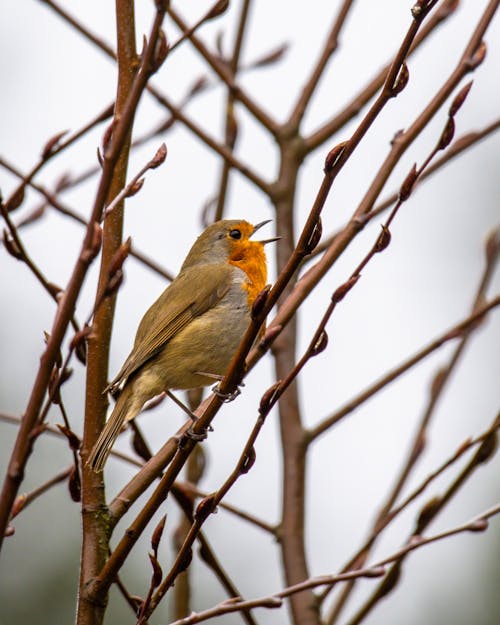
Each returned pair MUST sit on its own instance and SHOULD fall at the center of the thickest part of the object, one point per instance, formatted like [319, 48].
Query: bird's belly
[206, 345]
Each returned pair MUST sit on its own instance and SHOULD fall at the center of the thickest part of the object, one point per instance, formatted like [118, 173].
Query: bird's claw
[226, 397]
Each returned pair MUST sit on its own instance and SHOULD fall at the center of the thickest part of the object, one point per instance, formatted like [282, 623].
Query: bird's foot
[190, 434]
[226, 397]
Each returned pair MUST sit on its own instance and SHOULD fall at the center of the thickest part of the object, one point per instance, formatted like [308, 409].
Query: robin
[189, 335]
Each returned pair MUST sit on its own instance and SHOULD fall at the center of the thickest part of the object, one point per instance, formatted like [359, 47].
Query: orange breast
[251, 258]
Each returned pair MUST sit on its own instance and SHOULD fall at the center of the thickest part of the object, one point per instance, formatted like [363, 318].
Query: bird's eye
[235, 234]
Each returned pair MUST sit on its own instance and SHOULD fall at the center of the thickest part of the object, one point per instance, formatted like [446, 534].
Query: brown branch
[227, 76]
[319, 339]
[176, 112]
[207, 507]
[428, 513]
[387, 512]
[90, 247]
[242, 514]
[231, 126]
[478, 524]
[274, 601]
[95, 533]
[329, 48]
[206, 552]
[21, 254]
[69, 212]
[451, 334]
[460, 145]
[25, 499]
[472, 56]
[360, 100]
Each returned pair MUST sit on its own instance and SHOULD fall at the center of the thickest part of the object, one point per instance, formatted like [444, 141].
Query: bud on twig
[437, 382]
[52, 144]
[198, 85]
[106, 137]
[157, 572]
[459, 99]
[74, 485]
[401, 80]
[12, 247]
[159, 158]
[232, 128]
[315, 237]
[19, 504]
[119, 257]
[73, 440]
[80, 337]
[479, 525]
[427, 513]
[271, 57]
[161, 52]
[219, 8]
[58, 360]
[408, 183]
[478, 57]
[260, 301]
[320, 345]
[389, 582]
[492, 246]
[134, 188]
[16, 200]
[487, 448]
[248, 461]
[205, 508]
[94, 247]
[333, 156]
[269, 336]
[447, 134]
[267, 399]
[157, 534]
[384, 238]
[341, 291]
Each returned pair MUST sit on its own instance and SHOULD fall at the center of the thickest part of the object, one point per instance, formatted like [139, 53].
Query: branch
[205, 508]
[231, 126]
[329, 48]
[471, 58]
[69, 212]
[387, 512]
[460, 145]
[90, 248]
[451, 334]
[226, 75]
[478, 524]
[486, 450]
[174, 110]
[445, 10]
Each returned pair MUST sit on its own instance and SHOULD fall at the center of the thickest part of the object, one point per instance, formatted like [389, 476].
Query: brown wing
[194, 291]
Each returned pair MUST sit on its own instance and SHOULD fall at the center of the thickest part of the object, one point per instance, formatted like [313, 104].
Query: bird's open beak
[259, 225]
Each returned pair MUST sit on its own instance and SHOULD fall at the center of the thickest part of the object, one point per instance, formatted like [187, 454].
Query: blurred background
[52, 80]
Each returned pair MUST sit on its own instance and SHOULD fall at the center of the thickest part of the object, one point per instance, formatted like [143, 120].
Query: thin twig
[273, 601]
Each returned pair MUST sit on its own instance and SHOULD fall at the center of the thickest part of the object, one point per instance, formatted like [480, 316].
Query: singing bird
[188, 336]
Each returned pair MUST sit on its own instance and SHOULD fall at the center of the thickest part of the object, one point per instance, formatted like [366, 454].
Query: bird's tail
[125, 409]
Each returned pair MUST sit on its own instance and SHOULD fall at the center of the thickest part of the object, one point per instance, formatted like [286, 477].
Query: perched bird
[189, 335]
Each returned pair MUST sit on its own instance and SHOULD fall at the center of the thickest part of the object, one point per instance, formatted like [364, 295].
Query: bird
[187, 338]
